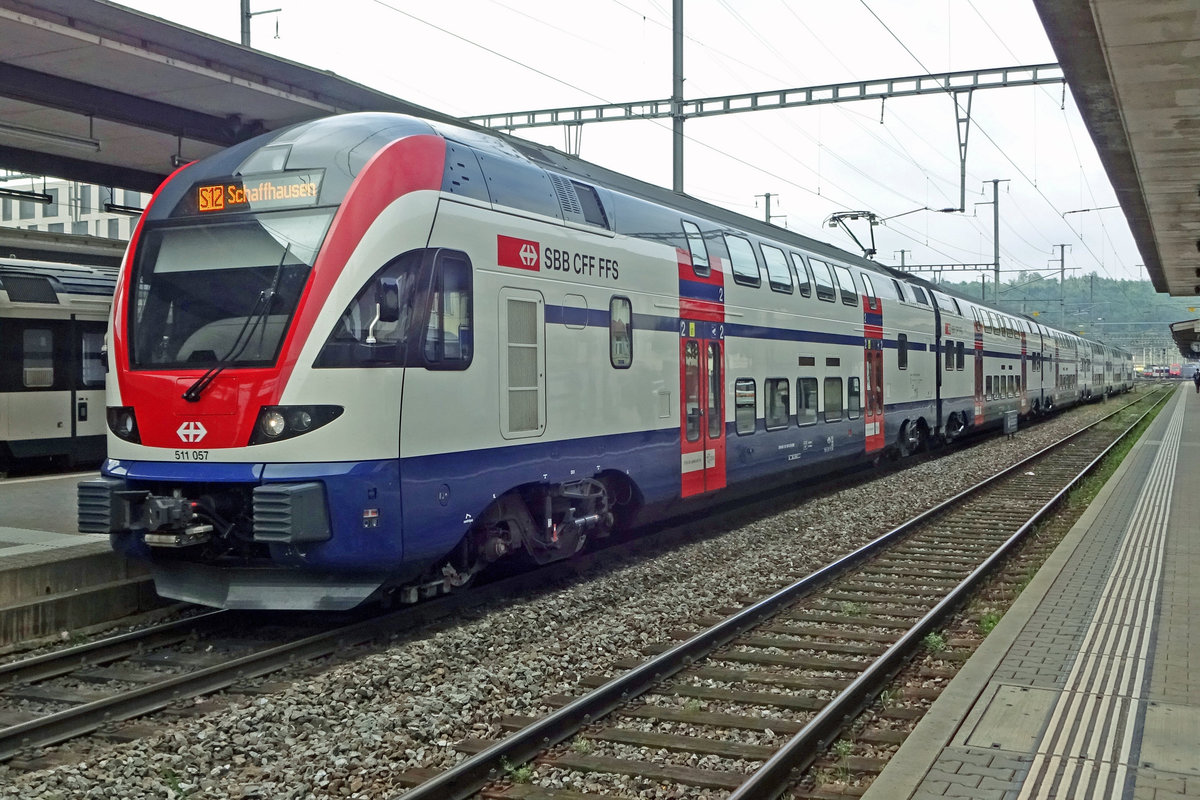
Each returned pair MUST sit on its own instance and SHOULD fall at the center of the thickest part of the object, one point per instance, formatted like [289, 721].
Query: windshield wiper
[257, 315]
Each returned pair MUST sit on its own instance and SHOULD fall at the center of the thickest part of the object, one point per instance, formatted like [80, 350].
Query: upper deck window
[778, 273]
[846, 283]
[697, 248]
[741, 256]
[823, 279]
[803, 282]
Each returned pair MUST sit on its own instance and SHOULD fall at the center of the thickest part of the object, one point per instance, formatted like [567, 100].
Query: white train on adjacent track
[373, 354]
[52, 324]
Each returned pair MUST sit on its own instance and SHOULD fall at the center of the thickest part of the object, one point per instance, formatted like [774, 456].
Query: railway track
[93, 687]
[747, 704]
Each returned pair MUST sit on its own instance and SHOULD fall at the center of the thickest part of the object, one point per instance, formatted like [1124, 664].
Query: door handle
[81, 411]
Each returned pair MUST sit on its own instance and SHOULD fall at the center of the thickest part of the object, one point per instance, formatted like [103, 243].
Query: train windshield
[221, 292]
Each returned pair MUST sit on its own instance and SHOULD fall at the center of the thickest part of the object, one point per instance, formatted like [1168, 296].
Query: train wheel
[911, 438]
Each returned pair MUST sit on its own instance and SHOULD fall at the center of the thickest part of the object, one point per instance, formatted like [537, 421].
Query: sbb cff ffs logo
[519, 253]
[191, 432]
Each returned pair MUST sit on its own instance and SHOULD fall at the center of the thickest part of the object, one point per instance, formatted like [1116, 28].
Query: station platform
[1089, 687]
[54, 580]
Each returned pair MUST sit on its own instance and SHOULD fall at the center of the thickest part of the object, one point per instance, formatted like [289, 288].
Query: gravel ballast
[351, 730]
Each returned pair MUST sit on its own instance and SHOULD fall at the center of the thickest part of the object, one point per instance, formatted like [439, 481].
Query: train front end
[244, 475]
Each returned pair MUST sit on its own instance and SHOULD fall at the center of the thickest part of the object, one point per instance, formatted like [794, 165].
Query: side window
[92, 366]
[949, 348]
[833, 399]
[868, 289]
[802, 280]
[37, 358]
[987, 388]
[778, 274]
[823, 279]
[806, 401]
[919, 293]
[854, 398]
[743, 405]
[959, 356]
[902, 350]
[699, 251]
[448, 339]
[846, 282]
[899, 289]
[620, 332]
[778, 408]
[741, 256]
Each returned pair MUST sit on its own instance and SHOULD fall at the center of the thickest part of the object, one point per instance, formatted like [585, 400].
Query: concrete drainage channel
[72, 591]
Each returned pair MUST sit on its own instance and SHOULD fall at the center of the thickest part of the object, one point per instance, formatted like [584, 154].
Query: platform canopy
[1187, 335]
[96, 92]
[1134, 68]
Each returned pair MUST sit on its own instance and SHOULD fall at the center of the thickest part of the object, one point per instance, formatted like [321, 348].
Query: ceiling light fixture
[49, 137]
[114, 208]
[31, 197]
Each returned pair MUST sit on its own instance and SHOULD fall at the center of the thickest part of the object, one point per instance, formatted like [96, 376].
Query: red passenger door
[702, 408]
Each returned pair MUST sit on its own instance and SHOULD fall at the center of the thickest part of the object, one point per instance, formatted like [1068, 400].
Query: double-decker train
[372, 354]
[52, 324]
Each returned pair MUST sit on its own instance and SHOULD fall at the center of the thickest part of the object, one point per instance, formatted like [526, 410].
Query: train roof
[44, 281]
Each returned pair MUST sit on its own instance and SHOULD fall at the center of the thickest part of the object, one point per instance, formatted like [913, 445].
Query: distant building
[74, 207]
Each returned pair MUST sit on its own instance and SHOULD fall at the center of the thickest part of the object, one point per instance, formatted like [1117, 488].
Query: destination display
[260, 193]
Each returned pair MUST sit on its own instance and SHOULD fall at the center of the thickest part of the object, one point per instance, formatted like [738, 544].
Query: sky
[894, 159]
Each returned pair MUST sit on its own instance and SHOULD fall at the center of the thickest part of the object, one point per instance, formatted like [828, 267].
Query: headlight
[276, 423]
[123, 422]
[273, 424]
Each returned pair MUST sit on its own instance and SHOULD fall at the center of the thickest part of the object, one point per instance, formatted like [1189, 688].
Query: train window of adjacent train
[448, 337]
[823, 278]
[697, 248]
[846, 284]
[987, 388]
[778, 405]
[743, 405]
[778, 274]
[833, 399]
[37, 358]
[959, 355]
[91, 364]
[803, 282]
[853, 398]
[620, 332]
[902, 350]
[806, 401]
[949, 350]
[741, 257]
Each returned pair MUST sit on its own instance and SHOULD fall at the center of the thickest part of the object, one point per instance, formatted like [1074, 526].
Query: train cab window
[743, 405]
[833, 399]
[902, 351]
[448, 337]
[37, 359]
[778, 407]
[853, 398]
[948, 347]
[959, 355]
[806, 401]
[803, 282]
[91, 365]
[778, 274]
[846, 284]
[742, 260]
[823, 278]
[620, 332]
[697, 248]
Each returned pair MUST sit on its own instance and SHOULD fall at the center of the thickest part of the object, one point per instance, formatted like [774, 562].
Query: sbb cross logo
[519, 253]
[191, 432]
